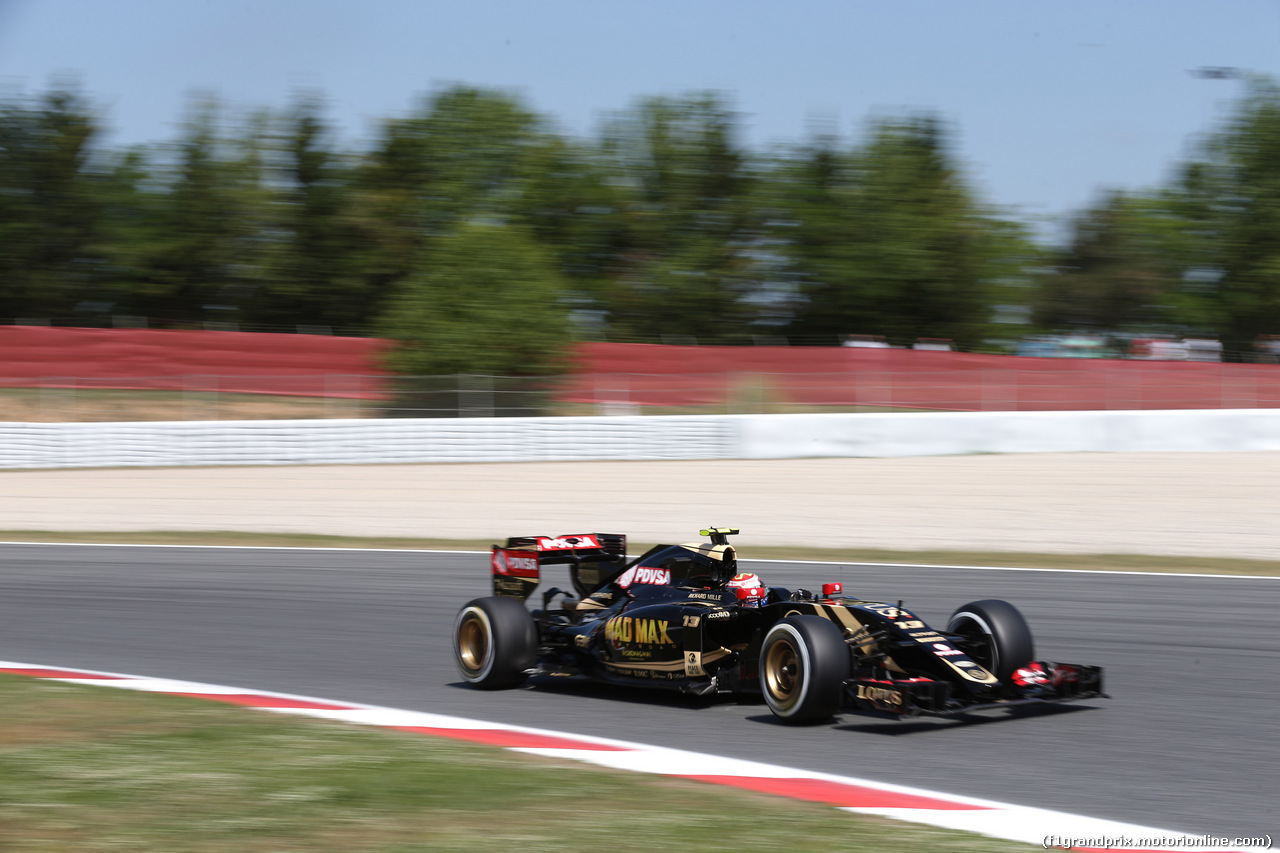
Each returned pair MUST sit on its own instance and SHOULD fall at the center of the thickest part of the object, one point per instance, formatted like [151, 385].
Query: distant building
[865, 341]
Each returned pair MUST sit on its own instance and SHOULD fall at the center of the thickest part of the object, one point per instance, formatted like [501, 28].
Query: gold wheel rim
[473, 643]
[782, 672]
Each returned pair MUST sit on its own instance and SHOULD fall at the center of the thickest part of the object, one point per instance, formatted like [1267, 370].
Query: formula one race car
[682, 617]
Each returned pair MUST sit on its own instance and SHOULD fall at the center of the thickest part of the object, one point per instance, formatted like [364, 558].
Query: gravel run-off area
[1194, 504]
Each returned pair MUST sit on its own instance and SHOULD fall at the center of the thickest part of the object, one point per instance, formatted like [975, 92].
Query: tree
[1228, 204]
[313, 240]
[131, 216]
[886, 238]
[1114, 275]
[489, 303]
[572, 210]
[681, 222]
[465, 153]
[49, 248]
[206, 204]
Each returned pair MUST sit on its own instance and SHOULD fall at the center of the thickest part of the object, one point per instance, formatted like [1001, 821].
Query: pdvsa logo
[505, 563]
[644, 574]
[658, 576]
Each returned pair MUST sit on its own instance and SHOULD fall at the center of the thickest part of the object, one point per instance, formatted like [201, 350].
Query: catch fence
[1022, 385]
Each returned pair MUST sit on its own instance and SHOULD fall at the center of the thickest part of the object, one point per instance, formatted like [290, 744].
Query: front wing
[1040, 682]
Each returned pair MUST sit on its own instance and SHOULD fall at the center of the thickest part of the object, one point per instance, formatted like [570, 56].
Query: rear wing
[591, 556]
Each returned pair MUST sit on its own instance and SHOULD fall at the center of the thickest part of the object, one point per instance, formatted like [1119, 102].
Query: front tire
[494, 642]
[803, 666]
[996, 636]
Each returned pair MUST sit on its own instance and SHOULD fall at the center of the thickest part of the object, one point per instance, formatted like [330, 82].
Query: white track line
[866, 796]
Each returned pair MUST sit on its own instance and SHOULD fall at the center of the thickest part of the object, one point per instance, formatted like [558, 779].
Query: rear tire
[803, 666]
[996, 636]
[494, 642]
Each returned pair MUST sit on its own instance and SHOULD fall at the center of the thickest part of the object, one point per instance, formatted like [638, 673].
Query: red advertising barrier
[168, 360]
[653, 375]
[646, 375]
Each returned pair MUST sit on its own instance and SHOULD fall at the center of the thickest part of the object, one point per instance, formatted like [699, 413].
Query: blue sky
[1049, 102]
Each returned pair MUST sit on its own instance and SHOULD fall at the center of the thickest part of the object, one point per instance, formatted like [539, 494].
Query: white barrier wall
[311, 442]
[955, 433]
[315, 442]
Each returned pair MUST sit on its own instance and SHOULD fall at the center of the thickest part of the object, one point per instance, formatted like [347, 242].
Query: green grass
[1097, 562]
[94, 768]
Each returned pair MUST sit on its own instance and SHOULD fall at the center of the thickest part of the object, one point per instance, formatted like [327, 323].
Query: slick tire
[803, 666]
[494, 642]
[996, 635]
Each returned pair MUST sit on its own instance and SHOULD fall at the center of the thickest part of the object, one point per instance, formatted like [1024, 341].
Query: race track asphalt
[1187, 742]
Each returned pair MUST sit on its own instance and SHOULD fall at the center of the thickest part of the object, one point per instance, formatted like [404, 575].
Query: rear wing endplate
[516, 565]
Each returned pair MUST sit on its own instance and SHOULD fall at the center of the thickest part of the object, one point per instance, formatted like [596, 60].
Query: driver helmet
[749, 589]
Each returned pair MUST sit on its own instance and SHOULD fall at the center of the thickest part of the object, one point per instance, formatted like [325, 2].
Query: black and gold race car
[683, 617]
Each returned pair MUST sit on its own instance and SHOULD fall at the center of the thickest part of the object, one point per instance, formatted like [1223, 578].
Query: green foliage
[663, 226]
[683, 222]
[49, 214]
[1115, 275]
[312, 262]
[490, 302]
[1201, 254]
[198, 213]
[886, 238]
[1229, 203]
[465, 152]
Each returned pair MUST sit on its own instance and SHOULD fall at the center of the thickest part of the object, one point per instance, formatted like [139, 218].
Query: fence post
[615, 398]
[475, 395]
[46, 399]
[336, 405]
[486, 395]
[990, 387]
